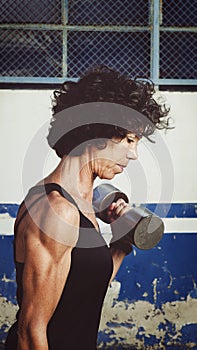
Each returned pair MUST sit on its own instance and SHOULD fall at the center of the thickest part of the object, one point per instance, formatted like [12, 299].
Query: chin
[109, 177]
[106, 176]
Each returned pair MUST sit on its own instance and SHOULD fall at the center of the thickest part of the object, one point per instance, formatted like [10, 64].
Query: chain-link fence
[178, 40]
[45, 41]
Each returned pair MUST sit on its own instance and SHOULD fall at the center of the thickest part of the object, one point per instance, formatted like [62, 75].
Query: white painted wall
[165, 171]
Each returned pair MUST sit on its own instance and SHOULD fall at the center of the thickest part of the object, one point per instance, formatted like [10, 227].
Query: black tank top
[75, 322]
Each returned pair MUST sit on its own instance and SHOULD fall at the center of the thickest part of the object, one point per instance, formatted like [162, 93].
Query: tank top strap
[53, 187]
[45, 190]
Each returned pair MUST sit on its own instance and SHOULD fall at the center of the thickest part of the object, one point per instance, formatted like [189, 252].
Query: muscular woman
[63, 264]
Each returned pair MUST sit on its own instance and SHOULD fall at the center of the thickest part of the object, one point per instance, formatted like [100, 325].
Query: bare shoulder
[63, 208]
[56, 218]
[62, 220]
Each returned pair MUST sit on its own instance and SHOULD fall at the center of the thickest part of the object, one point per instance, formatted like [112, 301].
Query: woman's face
[115, 156]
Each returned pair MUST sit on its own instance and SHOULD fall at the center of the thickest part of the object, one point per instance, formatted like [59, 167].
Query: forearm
[117, 257]
[119, 247]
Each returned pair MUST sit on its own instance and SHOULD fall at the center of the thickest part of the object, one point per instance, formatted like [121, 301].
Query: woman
[63, 265]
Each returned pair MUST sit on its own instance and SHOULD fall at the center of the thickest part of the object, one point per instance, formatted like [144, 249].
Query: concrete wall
[152, 302]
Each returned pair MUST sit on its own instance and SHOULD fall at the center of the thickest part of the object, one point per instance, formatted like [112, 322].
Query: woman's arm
[117, 256]
[47, 264]
[115, 210]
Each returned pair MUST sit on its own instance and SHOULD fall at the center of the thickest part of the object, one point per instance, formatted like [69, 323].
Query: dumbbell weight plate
[146, 228]
[148, 232]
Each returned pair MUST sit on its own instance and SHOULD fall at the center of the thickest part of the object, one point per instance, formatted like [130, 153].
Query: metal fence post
[155, 25]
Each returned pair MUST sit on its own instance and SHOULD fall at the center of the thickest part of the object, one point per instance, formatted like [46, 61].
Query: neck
[75, 175]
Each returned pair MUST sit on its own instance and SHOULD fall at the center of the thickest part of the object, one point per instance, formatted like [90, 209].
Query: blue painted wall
[174, 264]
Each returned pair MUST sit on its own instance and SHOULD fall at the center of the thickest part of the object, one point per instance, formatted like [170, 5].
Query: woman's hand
[117, 209]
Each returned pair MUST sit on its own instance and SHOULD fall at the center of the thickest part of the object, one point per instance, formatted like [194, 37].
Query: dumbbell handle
[103, 196]
[145, 229]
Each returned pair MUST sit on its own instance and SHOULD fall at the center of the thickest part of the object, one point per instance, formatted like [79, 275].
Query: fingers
[116, 209]
[111, 212]
[119, 206]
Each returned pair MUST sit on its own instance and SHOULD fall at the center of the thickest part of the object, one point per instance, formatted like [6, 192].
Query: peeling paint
[154, 283]
[132, 324]
[194, 283]
[7, 316]
[5, 279]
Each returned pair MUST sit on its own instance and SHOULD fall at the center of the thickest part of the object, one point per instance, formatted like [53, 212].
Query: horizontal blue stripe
[174, 210]
[164, 210]
[10, 209]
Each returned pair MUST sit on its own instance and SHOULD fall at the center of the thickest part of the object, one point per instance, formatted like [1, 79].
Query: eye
[130, 139]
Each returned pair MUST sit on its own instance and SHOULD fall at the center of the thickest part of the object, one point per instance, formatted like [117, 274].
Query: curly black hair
[104, 84]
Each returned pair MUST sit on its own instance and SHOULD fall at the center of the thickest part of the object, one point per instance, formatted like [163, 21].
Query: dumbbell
[144, 227]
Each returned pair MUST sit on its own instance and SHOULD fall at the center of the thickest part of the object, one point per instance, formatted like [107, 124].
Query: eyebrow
[132, 136]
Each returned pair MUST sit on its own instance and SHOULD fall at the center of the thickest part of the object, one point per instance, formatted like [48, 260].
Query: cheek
[107, 167]
[107, 171]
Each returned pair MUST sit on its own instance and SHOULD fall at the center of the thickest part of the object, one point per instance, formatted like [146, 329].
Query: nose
[132, 153]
